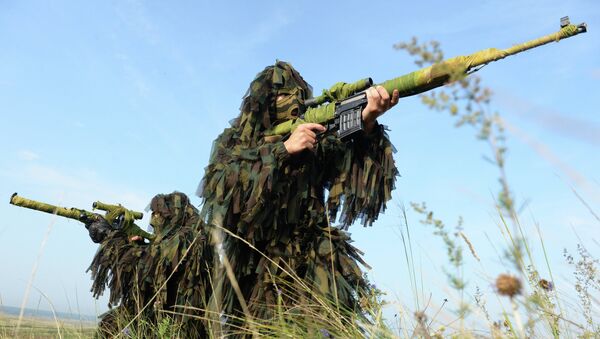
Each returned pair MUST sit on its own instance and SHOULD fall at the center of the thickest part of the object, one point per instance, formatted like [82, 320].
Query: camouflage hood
[260, 109]
[171, 212]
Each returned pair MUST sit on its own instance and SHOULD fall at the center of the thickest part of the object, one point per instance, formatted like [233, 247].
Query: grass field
[31, 327]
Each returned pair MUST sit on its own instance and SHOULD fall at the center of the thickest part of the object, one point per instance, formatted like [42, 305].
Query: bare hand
[378, 102]
[303, 137]
[135, 238]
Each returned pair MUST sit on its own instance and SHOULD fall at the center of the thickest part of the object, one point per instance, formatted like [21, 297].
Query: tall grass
[530, 306]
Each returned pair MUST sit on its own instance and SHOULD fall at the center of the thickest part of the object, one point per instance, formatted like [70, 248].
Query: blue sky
[120, 100]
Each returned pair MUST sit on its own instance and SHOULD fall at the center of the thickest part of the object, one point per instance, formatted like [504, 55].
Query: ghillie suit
[278, 203]
[165, 279]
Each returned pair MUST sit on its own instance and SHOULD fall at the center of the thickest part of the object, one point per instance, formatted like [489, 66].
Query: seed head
[508, 285]
[420, 316]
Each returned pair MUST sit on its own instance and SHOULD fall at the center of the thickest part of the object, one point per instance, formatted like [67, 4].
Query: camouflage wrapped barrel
[424, 79]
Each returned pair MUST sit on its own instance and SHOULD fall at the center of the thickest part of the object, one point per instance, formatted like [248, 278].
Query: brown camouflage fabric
[284, 206]
[166, 277]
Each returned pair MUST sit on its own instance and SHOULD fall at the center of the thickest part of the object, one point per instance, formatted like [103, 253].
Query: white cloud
[233, 48]
[134, 75]
[266, 29]
[134, 14]
[576, 221]
[558, 122]
[28, 155]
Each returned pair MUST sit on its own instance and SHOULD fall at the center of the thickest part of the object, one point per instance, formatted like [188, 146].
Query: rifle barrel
[71, 213]
[451, 69]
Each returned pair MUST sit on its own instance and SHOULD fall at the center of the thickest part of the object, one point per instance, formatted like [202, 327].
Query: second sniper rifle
[340, 107]
[117, 216]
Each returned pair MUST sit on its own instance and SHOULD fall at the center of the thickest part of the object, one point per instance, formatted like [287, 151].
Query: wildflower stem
[518, 322]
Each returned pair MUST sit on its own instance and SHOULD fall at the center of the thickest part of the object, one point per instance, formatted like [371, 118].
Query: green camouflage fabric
[166, 278]
[279, 204]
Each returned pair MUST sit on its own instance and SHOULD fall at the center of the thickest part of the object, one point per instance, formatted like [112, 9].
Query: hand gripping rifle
[117, 216]
[340, 108]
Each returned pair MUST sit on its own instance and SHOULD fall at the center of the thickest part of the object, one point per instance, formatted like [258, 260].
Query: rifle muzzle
[565, 21]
